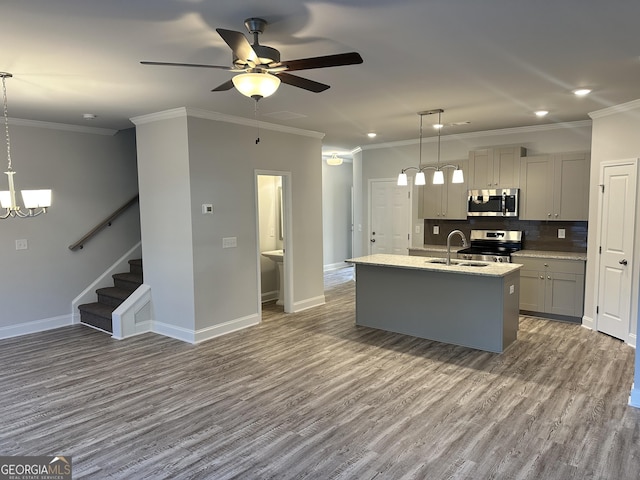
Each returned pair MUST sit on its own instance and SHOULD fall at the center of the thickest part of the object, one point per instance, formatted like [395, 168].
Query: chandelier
[35, 201]
[438, 175]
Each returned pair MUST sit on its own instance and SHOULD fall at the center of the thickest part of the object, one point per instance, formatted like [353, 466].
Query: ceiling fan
[261, 65]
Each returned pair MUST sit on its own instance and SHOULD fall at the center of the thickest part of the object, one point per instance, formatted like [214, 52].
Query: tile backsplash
[537, 235]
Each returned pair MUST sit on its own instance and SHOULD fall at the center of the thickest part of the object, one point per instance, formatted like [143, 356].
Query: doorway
[616, 227]
[273, 226]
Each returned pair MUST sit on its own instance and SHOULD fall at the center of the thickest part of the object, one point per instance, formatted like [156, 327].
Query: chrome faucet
[464, 243]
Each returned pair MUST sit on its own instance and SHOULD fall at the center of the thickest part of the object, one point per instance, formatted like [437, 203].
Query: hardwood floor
[310, 395]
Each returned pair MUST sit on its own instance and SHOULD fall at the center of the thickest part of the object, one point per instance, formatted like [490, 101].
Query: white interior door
[617, 226]
[390, 211]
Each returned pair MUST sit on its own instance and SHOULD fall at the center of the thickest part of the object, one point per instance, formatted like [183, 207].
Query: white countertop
[549, 254]
[492, 269]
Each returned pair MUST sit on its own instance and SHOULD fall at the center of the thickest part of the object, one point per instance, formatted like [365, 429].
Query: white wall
[92, 172]
[220, 158]
[615, 137]
[337, 181]
[386, 160]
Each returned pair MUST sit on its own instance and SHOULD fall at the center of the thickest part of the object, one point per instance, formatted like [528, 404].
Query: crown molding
[62, 126]
[623, 107]
[183, 112]
[483, 133]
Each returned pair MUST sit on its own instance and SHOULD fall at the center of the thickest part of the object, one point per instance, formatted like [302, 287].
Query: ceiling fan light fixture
[256, 85]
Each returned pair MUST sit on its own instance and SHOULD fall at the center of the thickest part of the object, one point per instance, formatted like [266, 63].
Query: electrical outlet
[22, 244]
[561, 233]
[417, 229]
[512, 289]
[229, 242]
[207, 208]
[436, 230]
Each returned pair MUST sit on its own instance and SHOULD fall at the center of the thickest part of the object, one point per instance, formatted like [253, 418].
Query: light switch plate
[417, 229]
[22, 244]
[229, 242]
[561, 233]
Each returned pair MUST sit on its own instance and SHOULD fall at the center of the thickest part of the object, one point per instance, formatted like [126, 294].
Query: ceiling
[491, 63]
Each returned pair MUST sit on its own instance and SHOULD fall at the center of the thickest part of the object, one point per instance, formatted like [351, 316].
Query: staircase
[98, 314]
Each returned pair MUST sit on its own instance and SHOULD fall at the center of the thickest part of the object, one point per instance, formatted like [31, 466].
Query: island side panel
[511, 308]
[461, 309]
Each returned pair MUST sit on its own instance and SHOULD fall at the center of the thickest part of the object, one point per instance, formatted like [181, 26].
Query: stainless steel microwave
[499, 202]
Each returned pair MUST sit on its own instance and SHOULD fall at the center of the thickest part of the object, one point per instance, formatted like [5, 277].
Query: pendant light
[438, 174]
[36, 201]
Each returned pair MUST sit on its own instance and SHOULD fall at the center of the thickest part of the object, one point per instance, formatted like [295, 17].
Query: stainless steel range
[492, 245]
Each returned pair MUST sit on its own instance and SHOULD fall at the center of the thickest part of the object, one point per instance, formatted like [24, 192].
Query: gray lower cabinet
[552, 286]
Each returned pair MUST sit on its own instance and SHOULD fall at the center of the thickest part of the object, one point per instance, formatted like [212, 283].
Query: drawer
[551, 264]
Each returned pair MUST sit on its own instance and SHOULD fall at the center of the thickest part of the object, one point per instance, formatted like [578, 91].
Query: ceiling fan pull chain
[255, 112]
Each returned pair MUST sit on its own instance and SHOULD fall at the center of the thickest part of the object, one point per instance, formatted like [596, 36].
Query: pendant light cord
[6, 119]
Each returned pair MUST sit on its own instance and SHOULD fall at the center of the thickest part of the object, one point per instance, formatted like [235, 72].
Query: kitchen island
[473, 304]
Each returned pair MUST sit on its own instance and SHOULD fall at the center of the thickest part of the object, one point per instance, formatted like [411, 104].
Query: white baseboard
[588, 322]
[227, 327]
[270, 296]
[191, 336]
[36, 326]
[335, 266]
[308, 303]
[631, 341]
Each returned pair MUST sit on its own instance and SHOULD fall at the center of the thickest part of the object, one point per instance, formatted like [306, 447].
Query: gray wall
[200, 289]
[386, 161]
[91, 174]
[337, 181]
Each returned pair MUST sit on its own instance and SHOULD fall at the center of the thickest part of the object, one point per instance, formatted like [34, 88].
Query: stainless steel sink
[457, 263]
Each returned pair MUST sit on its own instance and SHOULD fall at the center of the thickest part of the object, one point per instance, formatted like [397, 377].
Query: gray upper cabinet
[448, 201]
[555, 187]
[497, 167]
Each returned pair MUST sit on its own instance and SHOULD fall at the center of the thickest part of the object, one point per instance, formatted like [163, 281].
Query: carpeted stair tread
[112, 295]
[127, 281]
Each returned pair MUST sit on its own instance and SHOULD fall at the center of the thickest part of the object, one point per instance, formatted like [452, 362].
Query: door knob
[373, 240]
[623, 262]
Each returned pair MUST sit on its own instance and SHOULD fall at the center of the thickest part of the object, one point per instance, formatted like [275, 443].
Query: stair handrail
[79, 245]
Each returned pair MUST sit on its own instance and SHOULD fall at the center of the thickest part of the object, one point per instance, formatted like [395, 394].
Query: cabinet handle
[556, 215]
[541, 277]
[549, 215]
[548, 277]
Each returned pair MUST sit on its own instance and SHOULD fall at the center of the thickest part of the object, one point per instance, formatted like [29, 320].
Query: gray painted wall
[91, 175]
[221, 158]
[379, 162]
[337, 181]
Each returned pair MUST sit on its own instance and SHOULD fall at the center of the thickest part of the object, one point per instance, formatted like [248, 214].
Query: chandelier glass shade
[35, 201]
[256, 85]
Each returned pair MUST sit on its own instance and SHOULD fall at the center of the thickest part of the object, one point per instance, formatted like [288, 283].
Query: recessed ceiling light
[89, 116]
[541, 113]
[438, 126]
[371, 135]
[581, 92]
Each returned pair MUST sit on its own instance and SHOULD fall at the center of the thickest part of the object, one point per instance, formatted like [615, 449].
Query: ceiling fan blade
[170, 64]
[228, 85]
[351, 58]
[304, 83]
[239, 44]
